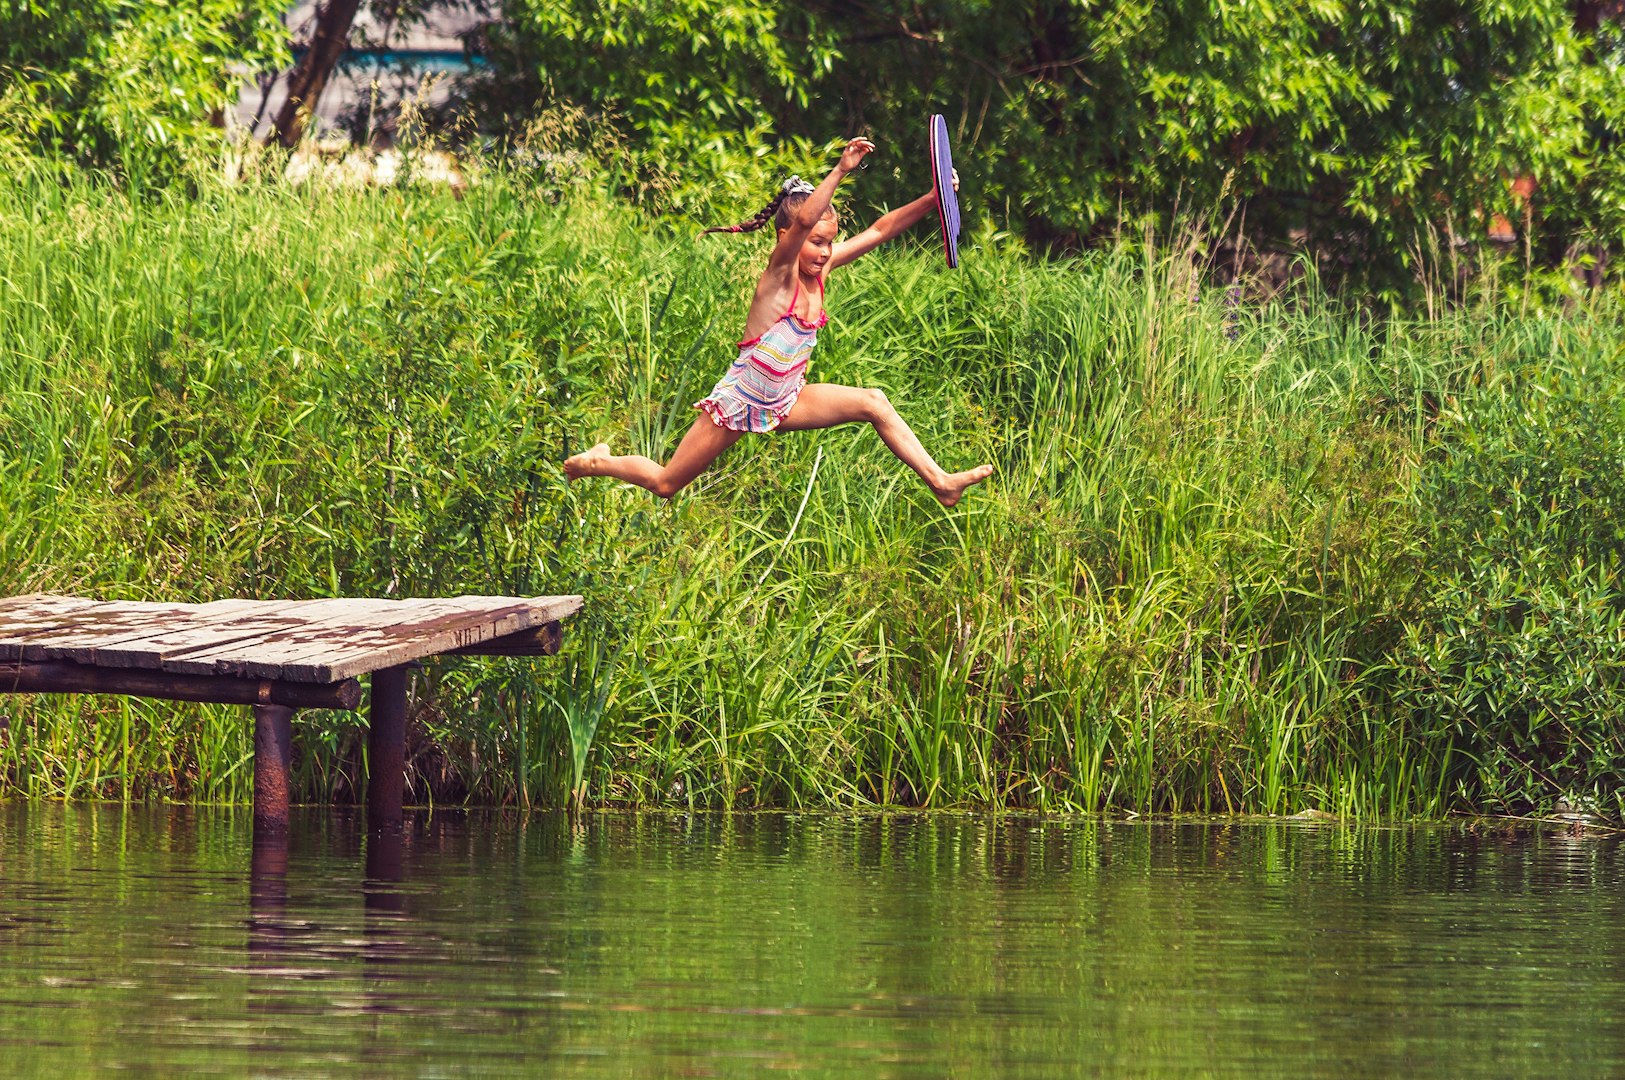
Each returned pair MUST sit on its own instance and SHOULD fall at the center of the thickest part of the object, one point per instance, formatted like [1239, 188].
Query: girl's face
[816, 249]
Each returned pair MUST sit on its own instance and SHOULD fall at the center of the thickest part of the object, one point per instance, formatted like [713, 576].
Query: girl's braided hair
[784, 203]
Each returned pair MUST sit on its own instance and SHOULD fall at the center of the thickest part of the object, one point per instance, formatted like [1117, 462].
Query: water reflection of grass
[1189, 588]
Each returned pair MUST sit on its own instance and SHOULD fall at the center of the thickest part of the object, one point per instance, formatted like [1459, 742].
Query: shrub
[140, 86]
[1518, 654]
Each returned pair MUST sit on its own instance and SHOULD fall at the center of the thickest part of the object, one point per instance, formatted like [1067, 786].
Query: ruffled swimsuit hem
[735, 415]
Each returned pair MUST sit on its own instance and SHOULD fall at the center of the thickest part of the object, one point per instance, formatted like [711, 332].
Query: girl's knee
[666, 487]
[877, 405]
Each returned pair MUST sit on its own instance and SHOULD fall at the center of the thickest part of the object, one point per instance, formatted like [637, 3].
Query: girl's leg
[823, 405]
[699, 448]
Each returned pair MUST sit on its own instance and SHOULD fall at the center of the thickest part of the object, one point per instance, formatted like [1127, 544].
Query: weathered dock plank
[366, 649]
[544, 640]
[53, 636]
[324, 640]
[25, 617]
[229, 622]
[41, 601]
[353, 639]
[94, 629]
[273, 655]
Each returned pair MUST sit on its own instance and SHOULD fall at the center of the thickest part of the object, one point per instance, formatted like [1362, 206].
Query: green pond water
[165, 942]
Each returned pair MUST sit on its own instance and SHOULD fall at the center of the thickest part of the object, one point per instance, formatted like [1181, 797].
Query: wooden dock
[273, 655]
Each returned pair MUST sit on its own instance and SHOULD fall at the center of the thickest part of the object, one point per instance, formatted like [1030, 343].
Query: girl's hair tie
[794, 188]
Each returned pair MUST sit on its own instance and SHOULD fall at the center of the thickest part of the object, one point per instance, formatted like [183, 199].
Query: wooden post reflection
[386, 859]
[269, 935]
[384, 932]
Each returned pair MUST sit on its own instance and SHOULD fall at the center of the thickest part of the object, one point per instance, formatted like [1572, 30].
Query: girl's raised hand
[855, 152]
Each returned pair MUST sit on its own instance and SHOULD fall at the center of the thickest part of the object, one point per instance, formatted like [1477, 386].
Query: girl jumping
[766, 389]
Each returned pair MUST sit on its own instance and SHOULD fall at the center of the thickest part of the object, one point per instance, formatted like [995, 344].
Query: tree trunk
[309, 78]
[1590, 14]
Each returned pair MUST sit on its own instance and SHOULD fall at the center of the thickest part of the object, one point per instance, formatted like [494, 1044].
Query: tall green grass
[1188, 588]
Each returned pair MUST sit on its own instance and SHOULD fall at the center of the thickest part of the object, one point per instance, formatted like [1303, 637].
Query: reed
[1183, 592]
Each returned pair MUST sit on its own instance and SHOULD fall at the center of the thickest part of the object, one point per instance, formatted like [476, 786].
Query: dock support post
[386, 748]
[273, 757]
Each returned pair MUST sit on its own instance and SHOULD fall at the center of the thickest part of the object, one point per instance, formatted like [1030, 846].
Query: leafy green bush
[1518, 657]
[140, 85]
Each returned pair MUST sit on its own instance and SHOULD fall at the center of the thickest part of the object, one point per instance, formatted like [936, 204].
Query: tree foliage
[698, 84]
[1369, 136]
[1372, 130]
[136, 84]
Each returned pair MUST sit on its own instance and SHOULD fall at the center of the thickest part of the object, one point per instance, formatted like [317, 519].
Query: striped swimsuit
[762, 385]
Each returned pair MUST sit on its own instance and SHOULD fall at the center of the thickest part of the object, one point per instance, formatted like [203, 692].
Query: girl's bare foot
[582, 464]
[954, 484]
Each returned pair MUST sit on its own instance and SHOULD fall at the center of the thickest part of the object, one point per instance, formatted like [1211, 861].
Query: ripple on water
[913, 945]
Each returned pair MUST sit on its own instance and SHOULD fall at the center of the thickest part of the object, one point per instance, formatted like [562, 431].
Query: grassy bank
[1236, 558]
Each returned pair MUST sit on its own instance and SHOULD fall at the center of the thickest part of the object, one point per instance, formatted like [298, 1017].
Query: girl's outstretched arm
[885, 228]
[809, 213]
